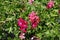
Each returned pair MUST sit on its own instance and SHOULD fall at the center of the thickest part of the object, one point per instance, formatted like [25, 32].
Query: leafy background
[11, 10]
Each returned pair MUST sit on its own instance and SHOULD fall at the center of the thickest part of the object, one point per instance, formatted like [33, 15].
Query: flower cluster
[34, 19]
[50, 4]
[23, 24]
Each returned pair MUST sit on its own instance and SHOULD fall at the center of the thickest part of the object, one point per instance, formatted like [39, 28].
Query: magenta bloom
[50, 4]
[31, 1]
[34, 19]
[22, 24]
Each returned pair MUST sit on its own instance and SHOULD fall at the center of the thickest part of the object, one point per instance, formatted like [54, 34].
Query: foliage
[11, 10]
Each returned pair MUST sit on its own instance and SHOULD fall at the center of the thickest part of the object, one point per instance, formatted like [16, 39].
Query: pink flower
[21, 36]
[50, 4]
[22, 24]
[32, 16]
[34, 19]
[31, 1]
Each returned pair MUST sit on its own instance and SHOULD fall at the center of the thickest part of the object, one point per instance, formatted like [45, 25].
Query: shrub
[47, 28]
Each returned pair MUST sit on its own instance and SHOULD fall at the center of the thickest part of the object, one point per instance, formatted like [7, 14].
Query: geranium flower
[50, 4]
[34, 19]
[22, 24]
